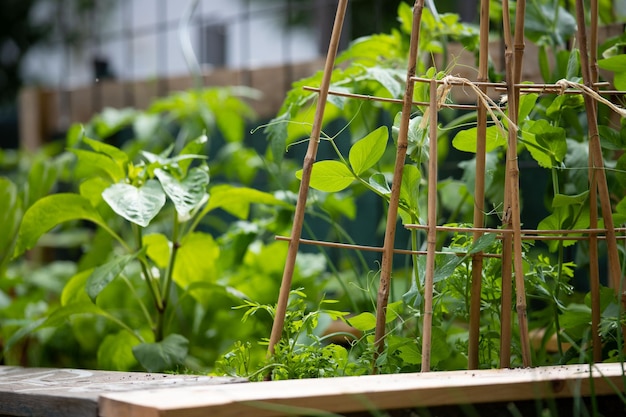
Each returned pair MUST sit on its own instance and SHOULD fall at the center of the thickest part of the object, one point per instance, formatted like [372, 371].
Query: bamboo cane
[479, 188]
[597, 164]
[594, 267]
[394, 199]
[431, 237]
[512, 209]
[309, 159]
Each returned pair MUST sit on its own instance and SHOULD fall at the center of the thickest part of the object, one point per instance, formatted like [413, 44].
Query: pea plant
[552, 139]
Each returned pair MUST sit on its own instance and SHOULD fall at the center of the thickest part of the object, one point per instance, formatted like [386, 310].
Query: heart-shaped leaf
[187, 194]
[137, 205]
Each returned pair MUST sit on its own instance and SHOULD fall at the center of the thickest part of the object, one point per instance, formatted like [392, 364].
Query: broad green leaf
[74, 134]
[482, 243]
[105, 273]
[93, 188]
[137, 205]
[10, 218]
[90, 162]
[410, 354]
[619, 80]
[329, 176]
[615, 63]
[363, 322]
[158, 249]
[465, 140]
[196, 260]
[365, 153]
[161, 356]
[527, 103]
[562, 200]
[547, 144]
[51, 211]
[187, 194]
[115, 352]
[237, 200]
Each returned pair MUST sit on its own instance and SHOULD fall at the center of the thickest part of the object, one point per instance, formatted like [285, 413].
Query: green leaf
[161, 356]
[563, 200]
[137, 205]
[363, 322]
[237, 200]
[104, 274]
[365, 153]
[527, 103]
[10, 218]
[158, 249]
[619, 80]
[389, 78]
[91, 162]
[115, 352]
[51, 211]
[114, 153]
[465, 140]
[379, 182]
[195, 147]
[329, 176]
[196, 260]
[482, 243]
[547, 144]
[61, 314]
[615, 63]
[93, 188]
[187, 194]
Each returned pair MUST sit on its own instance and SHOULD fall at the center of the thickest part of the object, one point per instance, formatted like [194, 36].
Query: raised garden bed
[72, 392]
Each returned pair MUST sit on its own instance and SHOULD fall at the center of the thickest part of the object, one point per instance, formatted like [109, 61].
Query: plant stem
[152, 285]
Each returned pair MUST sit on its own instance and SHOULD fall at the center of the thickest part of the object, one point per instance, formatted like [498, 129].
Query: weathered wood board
[378, 392]
[74, 392]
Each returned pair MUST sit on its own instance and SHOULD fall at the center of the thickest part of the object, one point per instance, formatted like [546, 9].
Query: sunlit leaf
[115, 352]
[138, 205]
[187, 194]
[366, 152]
[329, 176]
[465, 140]
[49, 212]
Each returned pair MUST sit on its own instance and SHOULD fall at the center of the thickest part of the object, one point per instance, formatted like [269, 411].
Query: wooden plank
[382, 392]
[75, 392]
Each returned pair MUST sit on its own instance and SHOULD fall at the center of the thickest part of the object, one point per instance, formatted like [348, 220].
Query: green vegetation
[170, 262]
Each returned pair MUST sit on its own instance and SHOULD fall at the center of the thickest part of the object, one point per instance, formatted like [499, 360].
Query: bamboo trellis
[511, 232]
